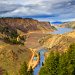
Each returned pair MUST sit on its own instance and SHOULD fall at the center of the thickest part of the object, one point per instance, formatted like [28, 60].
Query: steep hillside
[13, 51]
[68, 25]
[26, 24]
[12, 56]
[17, 35]
[58, 42]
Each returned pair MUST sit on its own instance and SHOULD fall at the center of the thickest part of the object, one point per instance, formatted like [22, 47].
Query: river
[37, 68]
[42, 51]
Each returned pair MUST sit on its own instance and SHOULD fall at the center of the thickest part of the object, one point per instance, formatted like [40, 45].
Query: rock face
[68, 25]
[26, 24]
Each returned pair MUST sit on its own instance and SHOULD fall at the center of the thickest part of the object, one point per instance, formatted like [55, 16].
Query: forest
[60, 63]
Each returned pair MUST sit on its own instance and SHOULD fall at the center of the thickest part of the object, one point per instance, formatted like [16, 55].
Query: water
[62, 30]
[35, 58]
[42, 51]
[36, 70]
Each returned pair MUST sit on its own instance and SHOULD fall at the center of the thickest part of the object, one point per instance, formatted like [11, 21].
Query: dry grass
[12, 56]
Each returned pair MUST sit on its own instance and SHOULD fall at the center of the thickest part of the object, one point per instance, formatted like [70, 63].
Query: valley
[31, 41]
[37, 37]
[19, 42]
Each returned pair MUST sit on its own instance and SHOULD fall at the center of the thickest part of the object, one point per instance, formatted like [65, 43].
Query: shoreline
[33, 63]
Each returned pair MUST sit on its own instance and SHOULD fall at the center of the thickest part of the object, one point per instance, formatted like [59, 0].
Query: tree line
[24, 70]
[60, 63]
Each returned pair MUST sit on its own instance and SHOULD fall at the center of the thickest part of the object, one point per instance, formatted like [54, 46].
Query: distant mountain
[56, 23]
[68, 24]
[26, 24]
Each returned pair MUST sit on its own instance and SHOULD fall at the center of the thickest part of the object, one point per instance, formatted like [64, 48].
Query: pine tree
[42, 64]
[23, 70]
[30, 72]
[60, 64]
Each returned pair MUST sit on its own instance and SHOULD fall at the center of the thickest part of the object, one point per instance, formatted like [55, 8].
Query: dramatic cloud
[44, 10]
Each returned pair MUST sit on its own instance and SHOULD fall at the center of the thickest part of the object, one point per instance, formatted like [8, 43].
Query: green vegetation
[12, 56]
[12, 50]
[60, 63]
[25, 24]
[24, 70]
[53, 28]
[3, 71]
[30, 72]
[11, 35]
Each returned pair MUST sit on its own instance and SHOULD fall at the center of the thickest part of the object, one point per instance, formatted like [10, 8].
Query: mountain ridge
[26, 24]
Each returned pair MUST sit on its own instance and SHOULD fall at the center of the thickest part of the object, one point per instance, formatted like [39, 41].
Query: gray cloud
[7, 8]
[61, 9]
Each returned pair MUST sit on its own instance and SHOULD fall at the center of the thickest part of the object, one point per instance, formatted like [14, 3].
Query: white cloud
[61, 9]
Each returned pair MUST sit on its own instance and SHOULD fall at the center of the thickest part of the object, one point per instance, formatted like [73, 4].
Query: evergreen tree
[42, 64]
[23, 70]
[30, 72]
[60, 64]
[51, 64]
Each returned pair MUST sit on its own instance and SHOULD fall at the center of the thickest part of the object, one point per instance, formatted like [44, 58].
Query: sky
[43, 10]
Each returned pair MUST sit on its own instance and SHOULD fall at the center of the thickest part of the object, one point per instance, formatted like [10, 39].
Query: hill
[58, 42]
[26, 25]
[68, 25]
[60, 63]
[60, 60]
[12, 50]
[17, 35]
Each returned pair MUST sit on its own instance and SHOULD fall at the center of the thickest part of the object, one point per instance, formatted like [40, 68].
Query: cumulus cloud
[45, 10]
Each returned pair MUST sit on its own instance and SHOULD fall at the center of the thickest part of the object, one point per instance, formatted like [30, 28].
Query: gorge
[23, 39]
